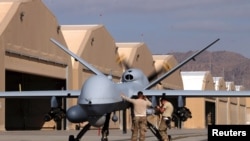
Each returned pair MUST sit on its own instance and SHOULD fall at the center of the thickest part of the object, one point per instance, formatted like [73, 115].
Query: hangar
[29, 61]
[222, 110]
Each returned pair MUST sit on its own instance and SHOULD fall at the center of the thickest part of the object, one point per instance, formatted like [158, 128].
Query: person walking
[139, 122]
[166, 110]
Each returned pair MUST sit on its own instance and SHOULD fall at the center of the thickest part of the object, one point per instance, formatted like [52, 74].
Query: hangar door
[28, 113]
[210, 113]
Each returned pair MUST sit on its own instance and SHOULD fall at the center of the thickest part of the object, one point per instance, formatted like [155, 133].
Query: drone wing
[178, 66]
[82, 61]
[197, 93]
[181, 94]
[38, 94]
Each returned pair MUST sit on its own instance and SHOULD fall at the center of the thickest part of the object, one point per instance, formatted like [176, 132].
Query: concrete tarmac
[94, 135]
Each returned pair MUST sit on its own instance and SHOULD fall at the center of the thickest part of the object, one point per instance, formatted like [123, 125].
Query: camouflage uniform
[165, 120]
[139, 123]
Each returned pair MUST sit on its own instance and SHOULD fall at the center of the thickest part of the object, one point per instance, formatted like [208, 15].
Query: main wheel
[169, 138]
[72, 138]
[104, 139]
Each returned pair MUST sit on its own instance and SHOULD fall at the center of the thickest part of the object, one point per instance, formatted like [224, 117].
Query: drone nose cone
[98, 90]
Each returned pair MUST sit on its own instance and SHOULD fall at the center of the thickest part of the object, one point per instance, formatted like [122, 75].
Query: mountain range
[229, 65]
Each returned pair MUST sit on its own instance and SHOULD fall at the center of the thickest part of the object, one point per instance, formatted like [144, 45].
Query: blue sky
[164, 25]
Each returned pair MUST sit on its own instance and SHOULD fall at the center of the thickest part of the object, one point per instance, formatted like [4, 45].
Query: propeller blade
[121, 61]
[165, 67]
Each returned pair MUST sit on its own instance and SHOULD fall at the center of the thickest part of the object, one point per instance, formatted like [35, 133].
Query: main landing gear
[155, 131]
